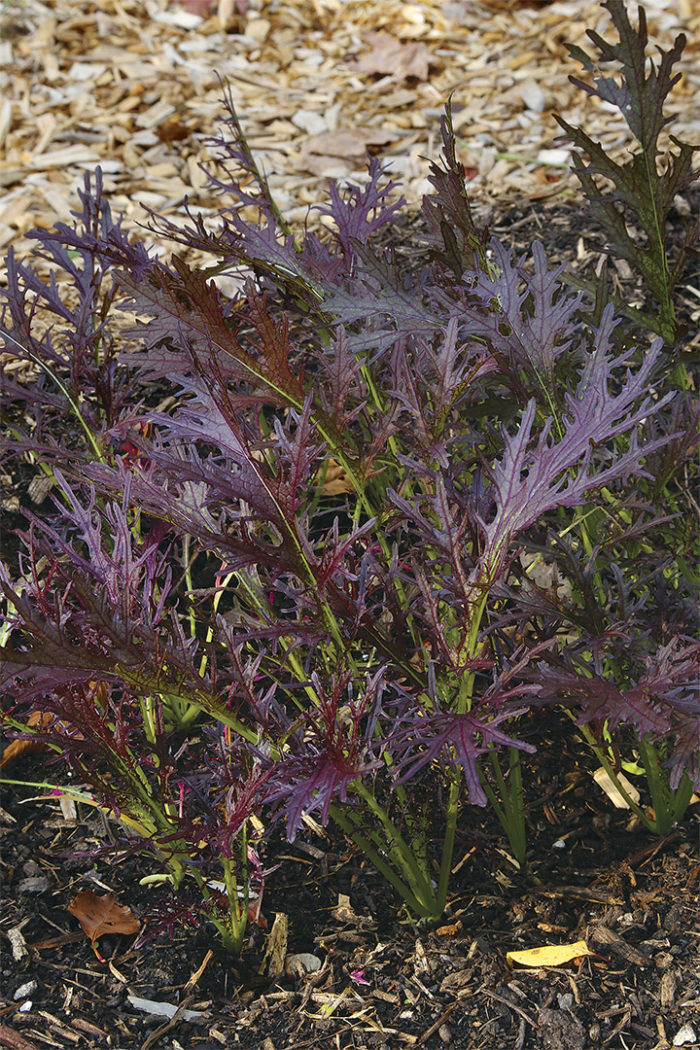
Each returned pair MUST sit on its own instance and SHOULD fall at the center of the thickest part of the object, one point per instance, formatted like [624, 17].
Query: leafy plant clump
[632, 201]
[300, 531]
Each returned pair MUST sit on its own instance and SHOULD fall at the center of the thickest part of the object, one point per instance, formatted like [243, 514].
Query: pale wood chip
[134, 87]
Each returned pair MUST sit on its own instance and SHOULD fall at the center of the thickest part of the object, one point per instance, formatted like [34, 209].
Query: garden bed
[351, 969]
[602, 879]
[385, 983]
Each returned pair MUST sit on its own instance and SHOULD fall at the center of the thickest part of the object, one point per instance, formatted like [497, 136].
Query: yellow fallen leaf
[550, 954]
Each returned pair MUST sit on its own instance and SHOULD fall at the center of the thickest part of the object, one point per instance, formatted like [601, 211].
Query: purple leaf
[527, 321]
[461, 738]
[559, 471]
[337, 749]
[362, 212]
[663, 702]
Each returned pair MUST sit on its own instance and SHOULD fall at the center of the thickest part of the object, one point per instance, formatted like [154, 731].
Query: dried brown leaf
[100, 915]
[323, 154]
[390, 56]
[335, 479]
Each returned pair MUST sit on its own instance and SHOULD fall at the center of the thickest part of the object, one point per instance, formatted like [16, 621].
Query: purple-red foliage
[325, 636]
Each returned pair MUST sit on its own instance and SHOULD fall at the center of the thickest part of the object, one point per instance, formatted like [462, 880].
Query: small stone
[25, 989]
[301, 964]
[684, 1035]
[445, 1033]
[34, 884]
[554, 157]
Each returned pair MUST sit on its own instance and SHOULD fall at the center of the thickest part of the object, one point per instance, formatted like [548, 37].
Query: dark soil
[384, 982]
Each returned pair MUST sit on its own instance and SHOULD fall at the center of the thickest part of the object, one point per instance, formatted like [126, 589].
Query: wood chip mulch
[133, 85]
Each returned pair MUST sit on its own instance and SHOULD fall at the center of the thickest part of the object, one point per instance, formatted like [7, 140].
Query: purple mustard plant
[305, 582]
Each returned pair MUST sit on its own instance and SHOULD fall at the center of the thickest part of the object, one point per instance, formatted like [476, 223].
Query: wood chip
[13, 1040]
[608, 939]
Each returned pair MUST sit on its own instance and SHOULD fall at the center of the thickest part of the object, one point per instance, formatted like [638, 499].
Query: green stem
[510, 809]
[448, 842]
[173, 695]
[234, 931]
[399, 849]
[669, 804]
[667, 313]
[601, 756]
[416, 905]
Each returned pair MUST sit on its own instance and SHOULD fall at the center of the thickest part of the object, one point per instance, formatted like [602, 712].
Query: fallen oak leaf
[101, 915]
[390, 56]
[342, 151]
